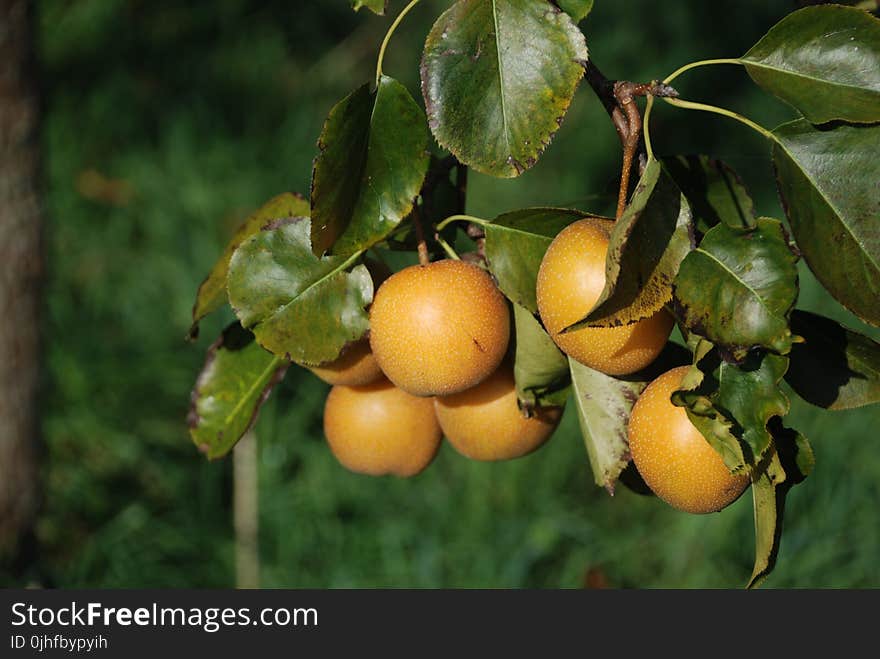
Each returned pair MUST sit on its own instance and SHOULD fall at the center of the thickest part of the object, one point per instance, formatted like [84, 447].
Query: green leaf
[735, 402]
[714, 191]
[577, 9]
[539, 369]
[515, 244]
[695, 396]
[376, 6]
[497, 78]
[237, 378]
[828, 183]
[212, 292]
[788, 465]
[738, 287]
[824, 61]
[835, 367]
[604, 404]
[646, 247]
[374, 156]
[299, 306]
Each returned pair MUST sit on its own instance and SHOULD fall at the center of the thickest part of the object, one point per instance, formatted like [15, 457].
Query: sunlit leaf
[236, 379]
[498, 77]
[376, 6]
[738, 287]
[733, 404]
[577, 9]
[515, 244]
[299, 306]
[825, 61]
[788, 465]
[604, 404]
[540, 369]
[212, 292]
[373, 159]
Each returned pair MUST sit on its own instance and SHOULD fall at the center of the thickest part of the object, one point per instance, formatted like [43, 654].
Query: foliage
[497, 77]
[538, 512]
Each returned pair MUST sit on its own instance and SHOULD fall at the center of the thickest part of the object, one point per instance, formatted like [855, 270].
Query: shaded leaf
[645, 250]
[577, 9]
[604, 404]
[298, 305]
[376, 6]
[714, 191]
[835, 367]
[539, 369]
[828, 183]
[497, 78]
[237, 378]
[515, 244]
[788, 465]
[212, 292]
[738, 287]
[824, 61]
[735, 402]
[374, 156]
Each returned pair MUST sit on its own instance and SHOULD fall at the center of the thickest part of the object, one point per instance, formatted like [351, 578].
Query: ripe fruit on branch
[485, 422]
[674, 459]
[570, 280]
[379, 429]
[355, 367]
[439, 328]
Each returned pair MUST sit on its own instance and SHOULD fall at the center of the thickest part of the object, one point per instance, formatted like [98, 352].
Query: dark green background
[200, 112]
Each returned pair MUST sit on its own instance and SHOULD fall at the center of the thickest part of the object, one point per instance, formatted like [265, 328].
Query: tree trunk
[20, 272]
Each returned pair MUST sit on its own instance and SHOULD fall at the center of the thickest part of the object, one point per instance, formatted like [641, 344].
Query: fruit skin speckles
[439, 328]
[485, 422]
[380, 430]
[570, 280]
[673, 458]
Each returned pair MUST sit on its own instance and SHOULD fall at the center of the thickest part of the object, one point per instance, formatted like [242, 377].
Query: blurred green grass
[193, 114]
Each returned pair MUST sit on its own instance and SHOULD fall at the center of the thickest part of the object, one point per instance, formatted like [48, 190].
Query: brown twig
[618, 98]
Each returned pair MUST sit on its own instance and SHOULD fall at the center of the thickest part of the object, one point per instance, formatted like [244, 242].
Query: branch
[618, 98]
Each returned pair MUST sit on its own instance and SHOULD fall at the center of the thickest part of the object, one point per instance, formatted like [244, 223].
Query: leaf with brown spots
[237, 378]
[646, 247]
[497, 79]
[738, 288]
[788, 464]
[732, 405]
[212, 292]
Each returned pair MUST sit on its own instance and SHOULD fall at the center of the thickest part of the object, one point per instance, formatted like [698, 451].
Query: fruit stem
[387, 38]
[693, 65]
[422, 246]
[646, 127]
[624, 93]
[724, 112]
[462, 218]
[451, 253]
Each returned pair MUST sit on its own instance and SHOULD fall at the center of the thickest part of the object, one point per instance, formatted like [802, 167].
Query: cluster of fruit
[435, 365]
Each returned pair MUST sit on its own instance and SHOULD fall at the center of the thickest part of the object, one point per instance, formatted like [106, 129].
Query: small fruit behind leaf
[439, 328]
[485, 422]
[379, 429]
[355, 367]
[674, 459]
[570, 280]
